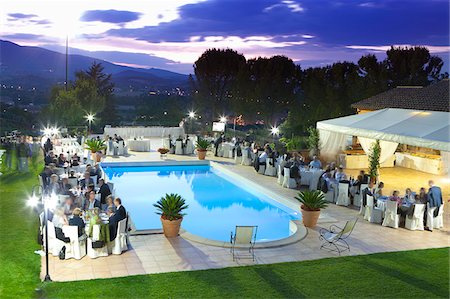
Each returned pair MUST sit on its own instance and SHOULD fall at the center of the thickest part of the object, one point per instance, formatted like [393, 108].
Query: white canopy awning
[430, 129]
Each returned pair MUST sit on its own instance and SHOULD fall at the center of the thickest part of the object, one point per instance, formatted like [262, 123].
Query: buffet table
[428, 164]
[142, 145]
[361, 161]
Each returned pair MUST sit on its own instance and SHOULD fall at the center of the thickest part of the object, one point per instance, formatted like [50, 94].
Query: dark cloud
[110, 16]
[21, 16]
[346, 23]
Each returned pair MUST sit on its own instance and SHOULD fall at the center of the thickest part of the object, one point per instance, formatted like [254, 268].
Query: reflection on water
[216, 204]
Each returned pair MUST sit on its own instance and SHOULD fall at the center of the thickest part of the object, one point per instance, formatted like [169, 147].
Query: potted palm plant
[202, 147]
[96, 147]
[170, 207]
[311, 203]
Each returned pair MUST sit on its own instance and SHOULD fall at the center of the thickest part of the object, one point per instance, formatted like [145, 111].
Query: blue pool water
[217, 202]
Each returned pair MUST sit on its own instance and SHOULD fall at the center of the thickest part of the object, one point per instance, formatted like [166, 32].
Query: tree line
[275, 88]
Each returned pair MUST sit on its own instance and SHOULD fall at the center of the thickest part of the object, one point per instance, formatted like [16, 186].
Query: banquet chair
[438, 221]
[368, 208]
[77, 244]
[119, 244]
[270, 168]
[189, 147]
[334, 238]
[288, 182]
[246, 156]
[244, 237]
[330, 196]
[96, 252]
[343, 199]
[430, 217]
[416, 220]
[280, 175]
[262, 169]
[359, 199]
[178, 147]
[391, 218]
[54, 244]
[111, 188]
[120, 148]
[316, 174]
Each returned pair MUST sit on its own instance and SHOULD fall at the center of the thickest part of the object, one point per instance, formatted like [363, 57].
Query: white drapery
[331, 143]
[132, 132]
[388, 148]
[445, 157]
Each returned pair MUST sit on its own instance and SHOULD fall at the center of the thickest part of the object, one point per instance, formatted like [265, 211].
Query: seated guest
[379, 191]
[395, 197]
[298, 159]
[114, 219]
[69, 205]
[59, 220]
[61, 160]
[65, 186]
[96, 171]
[339, 175]
[49, 158]
[262, 158]
[77, 221]
[110, 204]
[72, 175]
[86, 181]
[54, 186]
[103, 191]
[421, 198]
[315, 163]
[92, 202]
[410, 197]
[95, 219]
[75, 160]
[369, 190]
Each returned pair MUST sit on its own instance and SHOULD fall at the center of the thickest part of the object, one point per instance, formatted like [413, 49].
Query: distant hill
[42, 68]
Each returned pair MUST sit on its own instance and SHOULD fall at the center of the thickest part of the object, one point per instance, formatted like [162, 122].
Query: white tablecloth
[131, 132]
[139, 145]
[310, 178]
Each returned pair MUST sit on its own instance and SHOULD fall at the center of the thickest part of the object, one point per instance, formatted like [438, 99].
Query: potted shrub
[202, 147]
[374, 161]
[311, 203]
[95, 147]
[170, 207]
[163, 152]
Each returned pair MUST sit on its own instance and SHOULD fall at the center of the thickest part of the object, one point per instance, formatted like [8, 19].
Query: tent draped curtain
[388, 148]
[330, 144]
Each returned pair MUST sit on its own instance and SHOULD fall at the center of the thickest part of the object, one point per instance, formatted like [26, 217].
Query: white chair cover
[430, 218]
[316, 174]
[77, 244]
[288, 182]
[178, 147]
[391, 218]
[245, 156]
[110, 148]
[358, 199]
[120, 148]
[343, 199]
[119, 244]
[330, 196]
[280, 175]
[54, 245]
[270, 169]
[96, 252]
[189, 147]
[262, 169]
[438, 221]
[369, 207]
[416, 221]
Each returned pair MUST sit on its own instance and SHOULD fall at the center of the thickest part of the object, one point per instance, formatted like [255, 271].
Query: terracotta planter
[201, 154]
[310, 217]
[171, 228]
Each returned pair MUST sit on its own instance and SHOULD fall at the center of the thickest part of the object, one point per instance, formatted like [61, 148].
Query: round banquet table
[142, 145]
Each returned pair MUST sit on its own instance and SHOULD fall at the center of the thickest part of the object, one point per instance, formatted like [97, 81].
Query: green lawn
[409, 274]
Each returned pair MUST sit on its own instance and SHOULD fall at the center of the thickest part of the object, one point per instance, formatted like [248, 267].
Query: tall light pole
[274, 131]
[90, 118]
[191, 115]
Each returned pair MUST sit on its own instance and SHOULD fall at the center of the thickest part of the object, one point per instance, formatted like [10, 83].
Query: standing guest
[45, 175]
[48, 146]
[114, 219]
[315, 163]
[86, 181]
[434, 195]
[92, 202]
[217, 142]
[77, 221]
[104, 191]
[422, 197]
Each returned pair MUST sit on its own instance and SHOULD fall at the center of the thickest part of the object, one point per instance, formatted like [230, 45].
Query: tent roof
[429, 129]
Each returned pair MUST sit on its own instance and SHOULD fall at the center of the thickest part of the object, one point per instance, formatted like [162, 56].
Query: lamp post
[274, 131]
[191, 115]
[90, 119]
[33, 201]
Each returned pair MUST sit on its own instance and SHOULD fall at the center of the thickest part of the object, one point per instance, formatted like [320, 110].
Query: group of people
[18, 151]
[86, 197]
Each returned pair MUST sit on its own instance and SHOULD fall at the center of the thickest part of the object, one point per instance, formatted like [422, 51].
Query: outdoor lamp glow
[191, 114]
[223, 119]
[90, 117]
[33, 201]
[275, 131]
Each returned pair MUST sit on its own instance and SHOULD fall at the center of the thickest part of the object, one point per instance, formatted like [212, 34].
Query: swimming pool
[217, 202]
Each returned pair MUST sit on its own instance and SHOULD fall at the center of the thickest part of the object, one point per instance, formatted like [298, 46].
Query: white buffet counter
[361, 161]
[141, 145]
[429, 165]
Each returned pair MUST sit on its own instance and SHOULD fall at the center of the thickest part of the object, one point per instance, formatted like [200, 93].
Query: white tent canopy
[430, 129]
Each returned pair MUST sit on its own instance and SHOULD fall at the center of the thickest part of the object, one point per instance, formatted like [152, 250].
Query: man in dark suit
[92, 202]
[114, 219]
[86, 181]
[434, 199]
[77, 221]
[103, 190]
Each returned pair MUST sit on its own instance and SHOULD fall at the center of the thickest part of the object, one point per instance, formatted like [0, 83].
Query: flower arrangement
[163, 150]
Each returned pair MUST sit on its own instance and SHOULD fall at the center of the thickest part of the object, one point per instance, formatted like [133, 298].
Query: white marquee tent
[430, 129]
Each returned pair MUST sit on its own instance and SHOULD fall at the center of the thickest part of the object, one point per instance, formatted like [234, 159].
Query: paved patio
[156, 254]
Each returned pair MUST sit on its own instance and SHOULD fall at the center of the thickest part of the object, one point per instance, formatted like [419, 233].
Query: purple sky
[171, 34]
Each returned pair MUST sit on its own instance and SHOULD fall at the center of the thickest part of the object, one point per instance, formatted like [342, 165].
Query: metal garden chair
[334, 238]
[244, 238]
